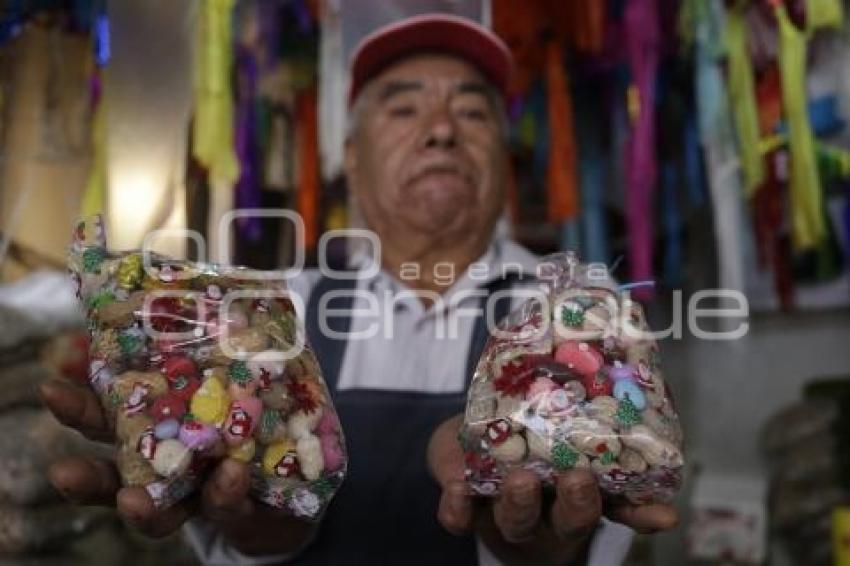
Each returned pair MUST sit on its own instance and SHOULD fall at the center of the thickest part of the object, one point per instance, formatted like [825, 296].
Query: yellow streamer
[824, 14]
[94, 197]
[808, 225]
[212, 132]
[742, 94]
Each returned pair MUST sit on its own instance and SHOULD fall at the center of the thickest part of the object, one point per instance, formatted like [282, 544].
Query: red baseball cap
[436, 32]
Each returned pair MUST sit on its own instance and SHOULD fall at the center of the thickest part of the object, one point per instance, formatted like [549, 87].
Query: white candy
[655, 450]
[511, 450]
[309, 451]
[631, 461]
[589, 436]
[302, 423]
[171, 458]
[539, 446]
[268, 360]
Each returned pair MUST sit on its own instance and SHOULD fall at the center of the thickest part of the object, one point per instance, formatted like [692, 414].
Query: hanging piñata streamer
[808, 225]
[248, 185]
[642, 45]
[742, 93]
[308, 165]
[212, 128]
[561, 176]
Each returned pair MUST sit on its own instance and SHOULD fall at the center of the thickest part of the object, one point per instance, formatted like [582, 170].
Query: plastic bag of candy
[195, 362]
[571, 379]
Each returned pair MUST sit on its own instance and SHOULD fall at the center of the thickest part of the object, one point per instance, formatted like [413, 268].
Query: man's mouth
[440, 173]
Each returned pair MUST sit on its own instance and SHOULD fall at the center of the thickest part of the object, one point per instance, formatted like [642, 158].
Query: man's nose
[441, 131]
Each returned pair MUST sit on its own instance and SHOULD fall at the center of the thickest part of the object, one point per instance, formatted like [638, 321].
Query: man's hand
[251, 528]
[513, 524]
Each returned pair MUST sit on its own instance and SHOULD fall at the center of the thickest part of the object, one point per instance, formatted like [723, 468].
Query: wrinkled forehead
[429, 73]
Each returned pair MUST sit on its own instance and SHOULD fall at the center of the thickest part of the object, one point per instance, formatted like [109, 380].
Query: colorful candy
[587, 393]
[186, 381]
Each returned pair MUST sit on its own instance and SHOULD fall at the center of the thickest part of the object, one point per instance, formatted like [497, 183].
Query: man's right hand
[252, 528]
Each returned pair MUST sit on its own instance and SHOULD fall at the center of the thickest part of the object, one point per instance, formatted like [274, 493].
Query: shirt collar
[502, 257]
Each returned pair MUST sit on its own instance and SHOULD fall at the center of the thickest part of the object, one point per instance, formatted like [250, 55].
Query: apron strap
[331, 351]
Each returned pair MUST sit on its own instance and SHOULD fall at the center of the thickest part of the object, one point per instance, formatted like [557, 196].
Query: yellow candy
[244, 452]
[210, 403]
[130, 272]
[273, 455]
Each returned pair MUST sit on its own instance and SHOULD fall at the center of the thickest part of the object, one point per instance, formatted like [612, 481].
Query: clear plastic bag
[194, 362]
[570, 382]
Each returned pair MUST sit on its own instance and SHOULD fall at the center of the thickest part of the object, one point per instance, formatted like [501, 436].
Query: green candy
[563, 456]
[239, 373]
[572, 316]
[607, 458]
[92, 259]
[101, 299]
[129, 343]
[627, 414]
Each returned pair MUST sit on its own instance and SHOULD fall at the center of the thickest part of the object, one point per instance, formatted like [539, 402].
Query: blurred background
[694, 144]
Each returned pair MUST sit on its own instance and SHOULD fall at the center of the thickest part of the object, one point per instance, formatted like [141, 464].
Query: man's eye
[402, 111]
[476, 114]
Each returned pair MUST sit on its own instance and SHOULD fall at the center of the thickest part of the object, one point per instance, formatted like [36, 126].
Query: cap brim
[442, 33]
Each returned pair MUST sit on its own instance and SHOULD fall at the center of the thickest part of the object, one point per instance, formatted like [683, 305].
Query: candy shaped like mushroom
[241, 420]
[281, 460]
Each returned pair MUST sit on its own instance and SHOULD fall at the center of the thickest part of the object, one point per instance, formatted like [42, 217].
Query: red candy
[580, 358]
[169, 406]
[598, 386]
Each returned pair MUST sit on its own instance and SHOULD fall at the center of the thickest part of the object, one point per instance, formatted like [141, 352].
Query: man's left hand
[515, 525]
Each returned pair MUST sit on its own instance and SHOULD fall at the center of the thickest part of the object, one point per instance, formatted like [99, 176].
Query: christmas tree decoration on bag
[193, 363]
[574, 382]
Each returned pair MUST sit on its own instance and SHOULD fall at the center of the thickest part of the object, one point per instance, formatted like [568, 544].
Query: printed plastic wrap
[193, 363]
[574, 381]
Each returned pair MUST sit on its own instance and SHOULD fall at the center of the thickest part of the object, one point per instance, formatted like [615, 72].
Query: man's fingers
[645, 518]
[225, 494]
[516, 511]
[578, 506]
[137, 508]
[455, 508]
[87, 481]
[77, 407]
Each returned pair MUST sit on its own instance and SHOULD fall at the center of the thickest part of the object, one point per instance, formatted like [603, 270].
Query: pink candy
[197, 435]
[580, 358]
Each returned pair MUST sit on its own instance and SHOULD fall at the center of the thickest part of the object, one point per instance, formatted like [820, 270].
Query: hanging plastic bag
[574, 382]
[193, 363]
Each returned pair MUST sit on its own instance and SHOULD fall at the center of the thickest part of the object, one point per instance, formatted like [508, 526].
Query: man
[426, 163]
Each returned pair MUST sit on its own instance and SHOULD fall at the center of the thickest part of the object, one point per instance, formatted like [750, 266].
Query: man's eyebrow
[392, 88]
[475, 87]
[478, 87]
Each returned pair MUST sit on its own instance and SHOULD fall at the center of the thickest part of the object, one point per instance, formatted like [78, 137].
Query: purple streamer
[642, 47]
[303, 16]
[247, 188]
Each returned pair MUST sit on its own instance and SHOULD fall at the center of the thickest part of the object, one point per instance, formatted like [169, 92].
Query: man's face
[427, 156]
